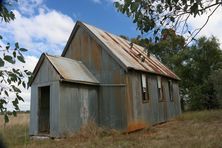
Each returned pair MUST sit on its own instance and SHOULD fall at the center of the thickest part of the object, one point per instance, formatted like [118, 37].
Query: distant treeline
[18, 112]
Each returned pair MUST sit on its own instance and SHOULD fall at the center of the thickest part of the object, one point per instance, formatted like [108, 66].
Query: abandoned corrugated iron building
[104, 78]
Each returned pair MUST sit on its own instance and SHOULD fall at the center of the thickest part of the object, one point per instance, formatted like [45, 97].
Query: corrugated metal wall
[46, 76]
[120, 105]
[86, 49]
[154, 111]
[109, 73]
[78, 105]
[71, 104]
[116, 103]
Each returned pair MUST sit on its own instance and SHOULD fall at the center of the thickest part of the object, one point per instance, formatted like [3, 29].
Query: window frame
[144, 88]
[160, 92]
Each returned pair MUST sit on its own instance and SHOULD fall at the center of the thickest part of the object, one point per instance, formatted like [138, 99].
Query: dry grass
[192, 129]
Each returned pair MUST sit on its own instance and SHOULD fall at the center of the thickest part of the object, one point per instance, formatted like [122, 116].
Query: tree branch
[208, 18]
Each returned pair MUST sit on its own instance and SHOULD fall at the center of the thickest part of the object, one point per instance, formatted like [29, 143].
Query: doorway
[44, 110]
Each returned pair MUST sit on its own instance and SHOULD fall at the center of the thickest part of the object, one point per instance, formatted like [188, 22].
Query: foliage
[5, 14]
[153, 16]
[198, 63]
[11, 78]
[216, 78]
[199, 67]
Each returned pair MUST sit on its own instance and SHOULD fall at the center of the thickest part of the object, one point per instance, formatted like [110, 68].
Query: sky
[45, 25]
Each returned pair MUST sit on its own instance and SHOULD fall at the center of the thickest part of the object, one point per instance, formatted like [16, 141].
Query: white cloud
[28, 7]
[45, 31]
[38, 29]
[213, 27]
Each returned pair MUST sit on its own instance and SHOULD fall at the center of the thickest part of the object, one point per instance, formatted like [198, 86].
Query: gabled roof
[129, 57]
[68, 69]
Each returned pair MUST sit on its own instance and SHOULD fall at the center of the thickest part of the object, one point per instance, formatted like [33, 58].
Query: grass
[192, 129]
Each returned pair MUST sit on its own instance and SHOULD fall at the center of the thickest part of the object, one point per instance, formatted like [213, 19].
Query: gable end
[103, 45]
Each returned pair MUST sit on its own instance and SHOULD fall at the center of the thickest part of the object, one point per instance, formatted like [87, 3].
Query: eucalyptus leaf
[19, 98]
[23, 49]
[17, 45]
[14, 54]
[9, 59]
[6, 93]
[24, 84]
[21, 59]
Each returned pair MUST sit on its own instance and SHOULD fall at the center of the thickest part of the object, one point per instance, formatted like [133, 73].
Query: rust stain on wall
[96, 55]
[136, 126]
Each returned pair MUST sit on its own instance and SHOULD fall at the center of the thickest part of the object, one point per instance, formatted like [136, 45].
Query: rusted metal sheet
[66, 70]
[78, 106]
[139, 114]
[131, 56]
[72, 70]
[136, 125]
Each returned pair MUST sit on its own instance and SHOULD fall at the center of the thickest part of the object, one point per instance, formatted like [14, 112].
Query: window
[145, 92]
[160, 89]
[170, 85]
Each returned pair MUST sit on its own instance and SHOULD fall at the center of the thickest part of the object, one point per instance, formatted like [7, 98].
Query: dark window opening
[144, 85]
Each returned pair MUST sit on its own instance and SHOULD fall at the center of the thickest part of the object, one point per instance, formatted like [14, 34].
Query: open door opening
[44, 110]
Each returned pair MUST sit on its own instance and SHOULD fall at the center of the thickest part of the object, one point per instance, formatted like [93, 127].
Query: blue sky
[98, 13]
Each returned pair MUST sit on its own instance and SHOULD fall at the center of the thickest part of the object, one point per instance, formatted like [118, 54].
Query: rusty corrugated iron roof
[72, 70]
[68, 69]
[132, 56]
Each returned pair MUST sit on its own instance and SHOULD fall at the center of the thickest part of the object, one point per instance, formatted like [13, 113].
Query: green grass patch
[202, 116]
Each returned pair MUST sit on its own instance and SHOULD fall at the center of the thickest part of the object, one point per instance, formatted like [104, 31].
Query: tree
[10, 76]
[195, 66]
[151, 16]
[169, 45]
[199, 67]
[216, 79]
